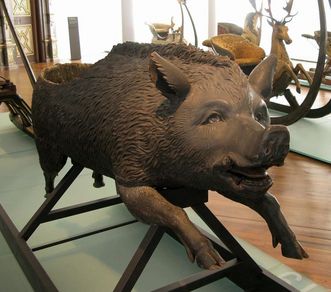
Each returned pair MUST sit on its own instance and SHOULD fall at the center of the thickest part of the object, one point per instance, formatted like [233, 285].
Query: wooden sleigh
[285, 73]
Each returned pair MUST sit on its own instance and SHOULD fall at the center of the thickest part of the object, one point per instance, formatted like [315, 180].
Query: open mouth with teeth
[254, 179]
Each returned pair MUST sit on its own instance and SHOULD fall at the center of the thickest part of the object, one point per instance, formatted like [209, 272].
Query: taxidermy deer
[285, 71]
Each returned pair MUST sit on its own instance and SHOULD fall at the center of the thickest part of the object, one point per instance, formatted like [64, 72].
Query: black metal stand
[239, 267]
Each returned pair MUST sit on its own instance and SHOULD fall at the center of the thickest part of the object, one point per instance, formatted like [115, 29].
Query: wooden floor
[303, 188]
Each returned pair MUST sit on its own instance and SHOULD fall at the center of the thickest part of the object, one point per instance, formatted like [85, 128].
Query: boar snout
[275, 145]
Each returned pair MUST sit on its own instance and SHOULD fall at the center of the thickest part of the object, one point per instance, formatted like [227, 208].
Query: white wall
[100, 23]
[161, 11]
[100, 26]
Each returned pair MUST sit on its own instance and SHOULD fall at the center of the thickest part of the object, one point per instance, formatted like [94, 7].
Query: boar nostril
[267, 151]
[269, 148]
[256, 157]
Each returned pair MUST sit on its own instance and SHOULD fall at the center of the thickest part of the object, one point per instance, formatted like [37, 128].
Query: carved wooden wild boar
[167, 116]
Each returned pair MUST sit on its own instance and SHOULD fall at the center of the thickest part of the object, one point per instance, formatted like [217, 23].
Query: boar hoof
[48, 192]
[98, 184]
[98, 180]
[293, 249]
[208, 258]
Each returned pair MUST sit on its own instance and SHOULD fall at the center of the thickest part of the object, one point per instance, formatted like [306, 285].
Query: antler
[288, 6]
[288, 9]
[286, 19]
[261, 7]
[273, 20]
[253, 3]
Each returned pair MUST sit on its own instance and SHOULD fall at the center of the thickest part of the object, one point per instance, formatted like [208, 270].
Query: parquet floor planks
[303, 189]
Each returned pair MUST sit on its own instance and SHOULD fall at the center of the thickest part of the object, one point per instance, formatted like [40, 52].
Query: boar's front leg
[149, 206]
[268, 207]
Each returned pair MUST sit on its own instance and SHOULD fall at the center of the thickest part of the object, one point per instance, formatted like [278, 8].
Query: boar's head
[219, 133]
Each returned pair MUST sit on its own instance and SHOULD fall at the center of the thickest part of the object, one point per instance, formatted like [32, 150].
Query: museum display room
[152, 145]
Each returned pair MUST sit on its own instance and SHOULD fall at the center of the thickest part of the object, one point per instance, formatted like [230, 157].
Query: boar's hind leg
[51, 162]
[149, 206]
[98, 180]
[268, 207]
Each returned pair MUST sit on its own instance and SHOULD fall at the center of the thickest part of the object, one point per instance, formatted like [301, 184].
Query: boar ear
[168, 78]
[261, 77]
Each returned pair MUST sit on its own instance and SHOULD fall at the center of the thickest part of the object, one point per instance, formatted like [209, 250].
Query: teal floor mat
[310, 137]
[93, 263]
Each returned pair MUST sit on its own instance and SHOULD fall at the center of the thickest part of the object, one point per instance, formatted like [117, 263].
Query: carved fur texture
[154, 116]
[114, 120]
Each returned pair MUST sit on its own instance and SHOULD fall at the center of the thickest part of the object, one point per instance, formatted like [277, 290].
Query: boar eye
[259, 117]
[214, 118]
